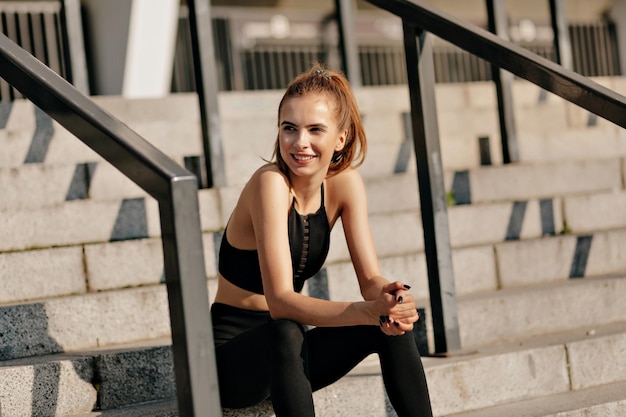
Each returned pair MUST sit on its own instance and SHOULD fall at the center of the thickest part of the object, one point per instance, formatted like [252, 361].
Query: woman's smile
[303, 158]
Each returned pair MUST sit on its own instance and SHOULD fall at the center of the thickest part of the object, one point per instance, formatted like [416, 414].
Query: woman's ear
[341, 141]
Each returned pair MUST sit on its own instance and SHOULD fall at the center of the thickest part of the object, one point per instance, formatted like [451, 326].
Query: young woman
[277, 237]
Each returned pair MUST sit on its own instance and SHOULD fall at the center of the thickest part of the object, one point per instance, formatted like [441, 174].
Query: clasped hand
[397, 309]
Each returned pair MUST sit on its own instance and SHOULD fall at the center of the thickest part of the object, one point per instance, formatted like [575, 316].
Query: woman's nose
[302, 139]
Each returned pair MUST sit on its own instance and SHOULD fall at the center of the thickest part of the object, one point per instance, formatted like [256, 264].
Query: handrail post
[503, 81]
[185, 277]
[421, 80]
[562, 44]
[205, 73]
[347, 42]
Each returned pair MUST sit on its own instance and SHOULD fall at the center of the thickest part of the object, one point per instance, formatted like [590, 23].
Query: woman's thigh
[334, 351]
[243, 368]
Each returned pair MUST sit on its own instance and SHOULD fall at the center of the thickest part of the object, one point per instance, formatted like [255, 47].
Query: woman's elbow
[278, 308]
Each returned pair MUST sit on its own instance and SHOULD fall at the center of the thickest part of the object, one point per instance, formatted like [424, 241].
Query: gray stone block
[63, 387]
[605, 401]
[484, 381]
[536, 261]
[598, 211]
[83, 322]
[526, 312]
[522, 182]
[135, 376]
[34, 185]
[41, 273]
[124, 264]
[597, 361]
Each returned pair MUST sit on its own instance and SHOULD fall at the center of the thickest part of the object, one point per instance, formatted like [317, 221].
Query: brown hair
[319, 80]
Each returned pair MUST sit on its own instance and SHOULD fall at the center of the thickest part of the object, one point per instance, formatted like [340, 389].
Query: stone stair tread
[129, 314]
[163, 408]
[602, 401]
[470, 366]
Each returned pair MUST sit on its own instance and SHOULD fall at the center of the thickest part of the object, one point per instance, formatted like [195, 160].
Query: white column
[150, 50]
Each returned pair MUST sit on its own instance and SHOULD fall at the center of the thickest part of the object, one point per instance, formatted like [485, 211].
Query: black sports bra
[309, 240]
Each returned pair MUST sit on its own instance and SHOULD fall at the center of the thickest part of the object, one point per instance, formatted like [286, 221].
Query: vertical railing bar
[205, 71]
[185, 276]
[562, 42]
[421, 80]
[39, 50]
[503, 81]
[54, 53]
[606, 43]
[5, 87]
[12, 33]
[601, 42]
[76, 63]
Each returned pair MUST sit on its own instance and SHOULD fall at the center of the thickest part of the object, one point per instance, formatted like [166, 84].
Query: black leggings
[260, 358]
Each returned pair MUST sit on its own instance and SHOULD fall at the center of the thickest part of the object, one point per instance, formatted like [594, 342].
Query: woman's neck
[307, 193]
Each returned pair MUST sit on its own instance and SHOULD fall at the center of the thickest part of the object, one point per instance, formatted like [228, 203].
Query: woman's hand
[397, 309]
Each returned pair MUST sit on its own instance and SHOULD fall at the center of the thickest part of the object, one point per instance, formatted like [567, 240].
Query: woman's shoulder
[346, 186]
[348, 178]
[269, 175]
[266, 182]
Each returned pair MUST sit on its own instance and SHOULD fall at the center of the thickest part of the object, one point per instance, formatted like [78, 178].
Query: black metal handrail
[176, 191]
[546, 74]
[419, 21]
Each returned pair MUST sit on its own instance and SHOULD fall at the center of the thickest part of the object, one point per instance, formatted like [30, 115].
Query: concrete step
[28, 135]
[604, 401]
[491, 315]
[84, 321]
[569, 366]
[495, 245]
[78, 269]
[97, 319]
[73, 222]
[521, 211]
[69, 384]
[550, 130]
[510, 264]
[520, 214]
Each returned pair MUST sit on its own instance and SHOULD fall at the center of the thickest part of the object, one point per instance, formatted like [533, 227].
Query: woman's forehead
[318, 103]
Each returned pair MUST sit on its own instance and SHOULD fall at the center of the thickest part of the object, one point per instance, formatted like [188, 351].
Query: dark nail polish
[400, 299]
[408, 287]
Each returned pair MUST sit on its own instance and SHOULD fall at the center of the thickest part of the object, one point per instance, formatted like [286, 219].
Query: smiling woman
[277, 237]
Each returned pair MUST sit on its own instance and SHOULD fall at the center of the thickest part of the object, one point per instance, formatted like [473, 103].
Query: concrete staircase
[538, 250]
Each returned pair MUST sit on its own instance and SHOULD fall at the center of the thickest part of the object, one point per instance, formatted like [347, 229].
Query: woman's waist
[234, 296]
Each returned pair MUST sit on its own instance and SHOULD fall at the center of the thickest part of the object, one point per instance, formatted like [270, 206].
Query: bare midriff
[228, 293]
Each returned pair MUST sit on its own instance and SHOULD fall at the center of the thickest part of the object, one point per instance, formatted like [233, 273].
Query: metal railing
[420, 21]
[173, 187]
[52, 32]
[266, 63]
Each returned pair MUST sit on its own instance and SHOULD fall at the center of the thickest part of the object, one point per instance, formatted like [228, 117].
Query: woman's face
[308, 134]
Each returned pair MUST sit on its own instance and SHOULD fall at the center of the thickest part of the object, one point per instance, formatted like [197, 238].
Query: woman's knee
[287, 336]
[286, 329]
